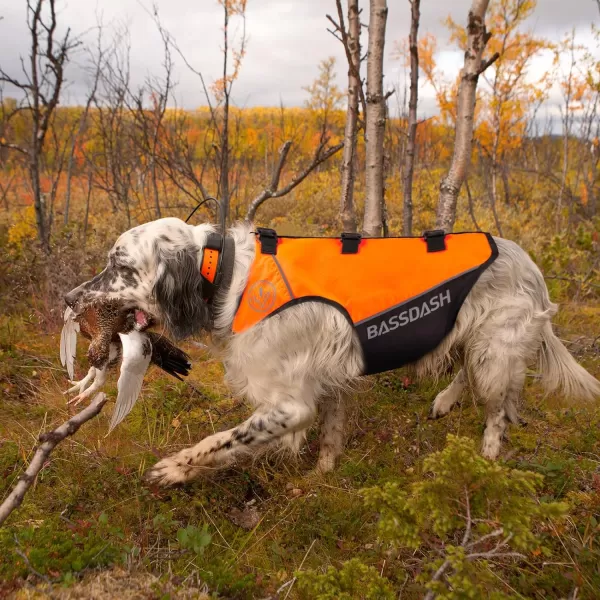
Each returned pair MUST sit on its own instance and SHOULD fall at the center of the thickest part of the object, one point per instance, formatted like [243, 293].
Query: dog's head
[154, 269]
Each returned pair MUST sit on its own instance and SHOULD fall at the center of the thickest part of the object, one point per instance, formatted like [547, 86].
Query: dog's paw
[491, 447]
[172, 470]
[437, 410]
[442, 405]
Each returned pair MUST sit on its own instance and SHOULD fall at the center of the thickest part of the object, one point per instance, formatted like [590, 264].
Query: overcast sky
[287, 39]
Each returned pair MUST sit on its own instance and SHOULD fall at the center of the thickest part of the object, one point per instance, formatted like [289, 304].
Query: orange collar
[217, 264]
[210, 262]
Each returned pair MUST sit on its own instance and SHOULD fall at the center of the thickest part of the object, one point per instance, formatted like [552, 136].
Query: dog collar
[217, 264]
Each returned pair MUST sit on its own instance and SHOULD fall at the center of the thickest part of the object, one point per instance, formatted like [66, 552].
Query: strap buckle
[435, 240]
[268, 240]
[350, 242]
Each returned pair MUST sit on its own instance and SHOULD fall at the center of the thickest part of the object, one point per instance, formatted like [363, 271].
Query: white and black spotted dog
[305, 360]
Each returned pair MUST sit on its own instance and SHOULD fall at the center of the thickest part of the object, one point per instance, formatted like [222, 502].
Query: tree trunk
[565, 169]
[471, 206]
[409, 165]
[347, 212]
[224, 174]
[155, 186]
[375, 120]
[487, 176]
[38, 201]
[505, 183]
[68, 184]
[87, 208]
[461, 158]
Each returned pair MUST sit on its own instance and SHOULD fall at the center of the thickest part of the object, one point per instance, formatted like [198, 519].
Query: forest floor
[90, 527]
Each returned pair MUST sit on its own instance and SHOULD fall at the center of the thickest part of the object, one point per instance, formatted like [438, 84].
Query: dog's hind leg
[444, 402]
[331, 443]
[498, 383]
[286, 414]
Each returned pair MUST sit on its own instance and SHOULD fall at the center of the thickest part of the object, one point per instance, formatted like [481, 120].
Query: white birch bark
[347, 212]
[375, 120]
[461, 158]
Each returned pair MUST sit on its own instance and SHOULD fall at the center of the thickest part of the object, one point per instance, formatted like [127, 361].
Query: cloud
[287, 39]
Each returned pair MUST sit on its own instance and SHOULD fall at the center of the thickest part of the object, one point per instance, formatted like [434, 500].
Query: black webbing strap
[435, 240]
[268, 240]
[350, 242]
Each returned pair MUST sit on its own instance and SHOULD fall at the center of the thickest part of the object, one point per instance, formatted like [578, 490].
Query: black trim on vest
[303, 299]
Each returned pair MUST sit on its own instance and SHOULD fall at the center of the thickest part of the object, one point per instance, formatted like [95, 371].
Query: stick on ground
[48, 442]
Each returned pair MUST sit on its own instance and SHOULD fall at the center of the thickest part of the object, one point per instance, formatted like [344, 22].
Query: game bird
[116, 335]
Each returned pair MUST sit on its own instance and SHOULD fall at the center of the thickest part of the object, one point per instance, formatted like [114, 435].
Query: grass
[90, 527]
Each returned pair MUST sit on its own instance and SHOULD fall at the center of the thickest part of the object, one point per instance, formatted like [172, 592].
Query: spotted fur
[305, 359]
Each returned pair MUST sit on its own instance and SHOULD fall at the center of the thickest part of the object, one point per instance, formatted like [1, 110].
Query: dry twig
[49, 441]
[273, 191]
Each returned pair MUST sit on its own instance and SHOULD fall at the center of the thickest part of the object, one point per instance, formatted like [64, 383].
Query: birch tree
[375, 120]
[41, 84]
[350, 38]
[409, 164]
[474, 65]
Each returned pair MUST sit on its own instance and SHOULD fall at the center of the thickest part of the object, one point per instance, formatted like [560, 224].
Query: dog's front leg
[264, 427]
[331, 443]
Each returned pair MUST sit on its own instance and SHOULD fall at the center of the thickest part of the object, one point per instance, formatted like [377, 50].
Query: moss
[325, 524]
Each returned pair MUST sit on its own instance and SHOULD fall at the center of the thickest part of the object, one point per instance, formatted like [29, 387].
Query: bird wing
[169, 357]
[68, 341]
[137, 352]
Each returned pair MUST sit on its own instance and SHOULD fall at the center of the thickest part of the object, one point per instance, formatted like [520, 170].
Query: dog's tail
[560, 370]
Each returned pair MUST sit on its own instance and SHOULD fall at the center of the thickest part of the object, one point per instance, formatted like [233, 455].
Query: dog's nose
[71, 297]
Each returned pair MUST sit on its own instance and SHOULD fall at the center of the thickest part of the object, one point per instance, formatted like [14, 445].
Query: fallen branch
[49, 441]
[320, 156]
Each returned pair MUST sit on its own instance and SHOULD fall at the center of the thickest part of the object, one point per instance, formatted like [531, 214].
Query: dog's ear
[178, 292]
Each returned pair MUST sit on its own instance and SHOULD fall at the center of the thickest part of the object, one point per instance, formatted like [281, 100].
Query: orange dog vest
[402, 295]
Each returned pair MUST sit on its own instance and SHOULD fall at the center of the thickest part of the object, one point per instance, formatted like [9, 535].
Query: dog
[306, 359]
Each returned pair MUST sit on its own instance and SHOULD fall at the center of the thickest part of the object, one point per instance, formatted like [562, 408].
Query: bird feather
[68, 341]
[137, 352]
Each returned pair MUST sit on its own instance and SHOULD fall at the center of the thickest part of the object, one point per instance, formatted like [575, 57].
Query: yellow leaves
[221, 86]
[234, 7]
[24, 229]
[427, 48]
[325, 95]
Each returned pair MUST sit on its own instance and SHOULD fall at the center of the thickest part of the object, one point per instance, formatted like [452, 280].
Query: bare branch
[28, 563]
[489, 62]
[48, 442]
[320, 156]
[471, 206]
[335, 34]
[468, 507]
[15, 147]
[348, 42]
[496, 552]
